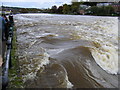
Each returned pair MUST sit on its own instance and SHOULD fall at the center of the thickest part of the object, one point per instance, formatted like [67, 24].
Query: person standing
[6, 26]
[2, 38]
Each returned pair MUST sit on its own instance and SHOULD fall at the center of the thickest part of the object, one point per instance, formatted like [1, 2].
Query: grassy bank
[15, 79]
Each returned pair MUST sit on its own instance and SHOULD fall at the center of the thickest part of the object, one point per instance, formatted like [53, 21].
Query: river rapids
[67, 51]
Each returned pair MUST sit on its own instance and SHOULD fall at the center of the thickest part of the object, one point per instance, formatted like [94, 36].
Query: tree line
[76, 7]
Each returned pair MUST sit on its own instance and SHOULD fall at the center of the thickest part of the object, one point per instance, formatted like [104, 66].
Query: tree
[109, 10]
[94, 10]
[66, 9]
[60, 9]
[103, 10]
[74, 9]
[54, 9]
[24, 10]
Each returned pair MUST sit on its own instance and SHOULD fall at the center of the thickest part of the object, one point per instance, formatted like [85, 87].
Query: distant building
[116, 7]
[103, 4]
[79, 0]
[74, 0]
[83, 9]
[104, 0]
[82, 12]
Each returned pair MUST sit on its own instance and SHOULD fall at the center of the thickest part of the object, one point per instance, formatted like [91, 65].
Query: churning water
[67, 51]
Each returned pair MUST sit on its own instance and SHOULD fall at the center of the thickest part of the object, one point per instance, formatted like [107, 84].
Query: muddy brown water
[67, 51]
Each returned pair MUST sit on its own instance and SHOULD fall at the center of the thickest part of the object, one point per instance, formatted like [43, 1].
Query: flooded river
[67, 51]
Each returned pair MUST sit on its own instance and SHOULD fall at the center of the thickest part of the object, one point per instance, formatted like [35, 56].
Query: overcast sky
[34, 3]
[39, 3]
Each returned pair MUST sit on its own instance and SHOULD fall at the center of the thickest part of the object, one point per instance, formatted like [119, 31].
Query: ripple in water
[62, 51]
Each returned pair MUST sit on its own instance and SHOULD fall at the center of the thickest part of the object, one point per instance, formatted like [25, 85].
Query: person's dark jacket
[2, 28]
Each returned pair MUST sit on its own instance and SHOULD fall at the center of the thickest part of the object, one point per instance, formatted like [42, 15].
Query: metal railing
[8, 63]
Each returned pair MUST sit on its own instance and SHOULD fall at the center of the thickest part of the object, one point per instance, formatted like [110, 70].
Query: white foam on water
[45, 60]
[104, 34]
[69, 84]
[107, 59]
[55, 51]
[106, 55]
[41, 63]
[49, 34]
[21, 17]
[37, 14]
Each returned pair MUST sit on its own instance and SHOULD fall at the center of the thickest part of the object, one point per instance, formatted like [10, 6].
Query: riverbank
[55, 14]
[15, 80]
[85, 14]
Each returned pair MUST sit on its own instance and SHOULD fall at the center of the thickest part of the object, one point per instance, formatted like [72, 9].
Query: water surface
[67, 51]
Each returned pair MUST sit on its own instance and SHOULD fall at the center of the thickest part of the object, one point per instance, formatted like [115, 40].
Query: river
[67, 51]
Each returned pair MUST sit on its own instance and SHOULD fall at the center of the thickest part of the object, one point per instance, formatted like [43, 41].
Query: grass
[15, 79]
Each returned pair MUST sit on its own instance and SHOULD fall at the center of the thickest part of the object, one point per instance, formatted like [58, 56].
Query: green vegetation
[29, 10]
[66, 9]
[88, 8]
[75, 8]
[16, 10]
[15, 80]
[104, 10]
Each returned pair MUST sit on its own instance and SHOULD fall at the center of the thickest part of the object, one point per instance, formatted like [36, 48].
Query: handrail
[8, 63]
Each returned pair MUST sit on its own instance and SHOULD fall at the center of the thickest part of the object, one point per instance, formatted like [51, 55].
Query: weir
[7, 62]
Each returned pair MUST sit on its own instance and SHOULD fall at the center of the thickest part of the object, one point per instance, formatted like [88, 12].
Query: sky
[42, 4]
[34, 3]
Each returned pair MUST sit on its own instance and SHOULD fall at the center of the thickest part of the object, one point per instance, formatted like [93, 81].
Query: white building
[84, 7]
[104, 0]
[74, 0]
[79, 0]
[103, 4]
